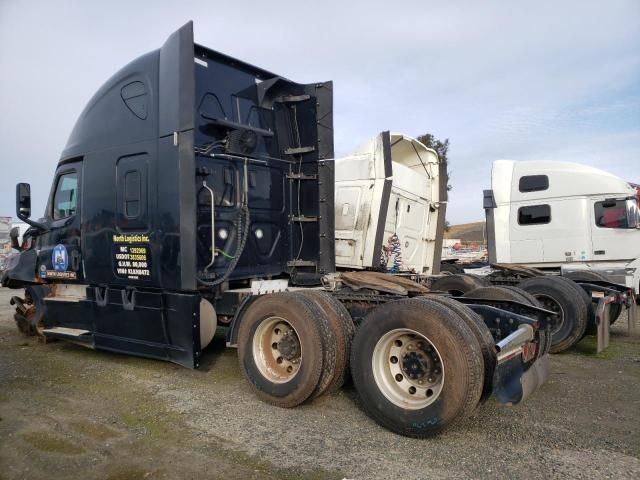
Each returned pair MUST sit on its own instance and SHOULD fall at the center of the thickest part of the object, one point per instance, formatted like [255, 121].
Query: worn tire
[592, 328]
[457, 284]
[574, 312]
[343, 330]
[461, 361]
[480, 330]
[304, 317]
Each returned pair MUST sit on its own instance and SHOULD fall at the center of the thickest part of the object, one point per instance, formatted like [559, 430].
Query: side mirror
[633, 215]
[23, 200]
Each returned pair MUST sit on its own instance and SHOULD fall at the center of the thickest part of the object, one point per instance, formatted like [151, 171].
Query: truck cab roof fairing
[149, 98]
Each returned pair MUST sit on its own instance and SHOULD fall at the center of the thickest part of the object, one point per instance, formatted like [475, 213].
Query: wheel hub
[550, 304]
[416, 365]
[408, 369]
[277, 350]
[289, 346]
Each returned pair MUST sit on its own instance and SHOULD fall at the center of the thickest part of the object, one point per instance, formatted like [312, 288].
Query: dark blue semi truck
[195, 194]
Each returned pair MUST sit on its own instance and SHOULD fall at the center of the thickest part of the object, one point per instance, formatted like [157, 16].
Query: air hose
[241, 223]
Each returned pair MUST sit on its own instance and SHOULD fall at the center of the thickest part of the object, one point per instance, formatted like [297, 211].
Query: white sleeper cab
[564, 217]
[390, 201]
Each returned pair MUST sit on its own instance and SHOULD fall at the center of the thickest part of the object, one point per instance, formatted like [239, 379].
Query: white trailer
[390, 202]
[564, 218]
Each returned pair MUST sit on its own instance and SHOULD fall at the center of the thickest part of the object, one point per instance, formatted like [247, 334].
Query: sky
[557, 80]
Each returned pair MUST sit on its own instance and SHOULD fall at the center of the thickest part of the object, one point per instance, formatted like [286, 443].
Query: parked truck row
[226, 209]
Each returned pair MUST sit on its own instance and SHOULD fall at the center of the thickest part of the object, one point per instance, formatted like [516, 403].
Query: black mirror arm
[40, 226]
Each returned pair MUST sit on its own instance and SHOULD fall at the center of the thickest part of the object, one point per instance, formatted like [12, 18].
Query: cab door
[60, 253]
[613, 237]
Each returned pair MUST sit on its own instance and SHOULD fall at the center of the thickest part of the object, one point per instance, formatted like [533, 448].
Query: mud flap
[513, 384]
[603, 322]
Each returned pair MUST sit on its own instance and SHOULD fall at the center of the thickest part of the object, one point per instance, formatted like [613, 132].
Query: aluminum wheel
[550, 304]
[277, 351]
[408, 369]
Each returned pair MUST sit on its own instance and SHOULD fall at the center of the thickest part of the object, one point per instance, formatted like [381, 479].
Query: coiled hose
[242, 229]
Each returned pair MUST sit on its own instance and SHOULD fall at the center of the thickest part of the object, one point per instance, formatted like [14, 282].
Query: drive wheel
[280, 348]
[554, 294]
[417, 366]
[343, 330]
[458, 284]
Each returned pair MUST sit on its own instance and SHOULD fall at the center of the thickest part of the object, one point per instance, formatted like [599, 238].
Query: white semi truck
[564, 218]
[390, 202]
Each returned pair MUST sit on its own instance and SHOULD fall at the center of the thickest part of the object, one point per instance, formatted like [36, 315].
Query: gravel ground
[69, 412]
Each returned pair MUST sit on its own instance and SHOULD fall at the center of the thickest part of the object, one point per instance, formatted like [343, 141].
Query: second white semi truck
[565, 218]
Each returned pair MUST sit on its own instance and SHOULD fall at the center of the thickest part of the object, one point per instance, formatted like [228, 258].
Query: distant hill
[467, 232]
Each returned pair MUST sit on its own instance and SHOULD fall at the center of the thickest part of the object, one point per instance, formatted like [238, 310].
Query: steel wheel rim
[550, 304]
[274, 350]
[408, 369]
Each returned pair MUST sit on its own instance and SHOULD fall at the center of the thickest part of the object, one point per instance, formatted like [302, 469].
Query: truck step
[64, 333]
[303, 218]
[299, 150]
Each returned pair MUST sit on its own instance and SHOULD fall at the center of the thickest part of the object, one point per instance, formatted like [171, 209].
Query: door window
[616, 214]
[66, 197]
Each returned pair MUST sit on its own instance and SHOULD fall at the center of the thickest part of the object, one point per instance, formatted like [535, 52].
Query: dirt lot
[69, 412]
